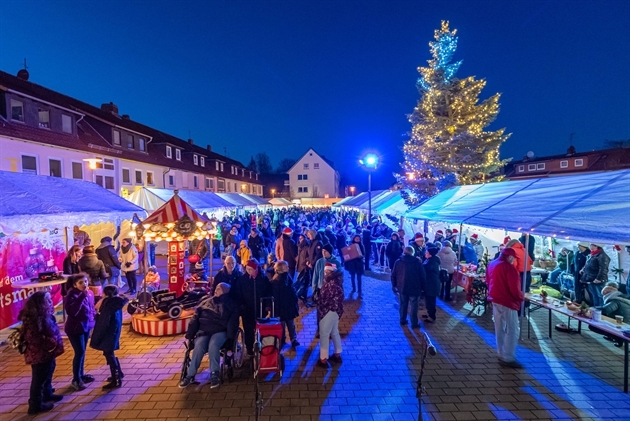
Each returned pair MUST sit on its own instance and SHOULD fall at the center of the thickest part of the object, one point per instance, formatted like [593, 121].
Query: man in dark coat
[256, 244]
[340, 241]
[367, 245]
[247, 291]
[595, 273]
[432, 285]
[418, 245]
[215, 322]
[302, 269]
[315, 249]
[107, 254]
[579, 260]
[407, 278]
[90, 264]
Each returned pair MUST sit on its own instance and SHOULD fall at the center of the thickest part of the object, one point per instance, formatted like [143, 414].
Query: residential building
[570, 163]
[313, 176]
[49, 133]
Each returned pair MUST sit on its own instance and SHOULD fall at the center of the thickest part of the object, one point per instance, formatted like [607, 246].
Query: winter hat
[601, 246]
[506, 239]
[88, 250]
[508, 252]
[439, 232]
[584, 244]
[328, 248]
[106, 240]
[475, 236]
[223, 287]
[418, 235]
[433, 250]
[252, 264]
[329, 267]
[454, 231]
[128, 239]
[287, 231]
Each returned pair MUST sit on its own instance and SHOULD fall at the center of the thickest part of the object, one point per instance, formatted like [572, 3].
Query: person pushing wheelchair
[215, 322]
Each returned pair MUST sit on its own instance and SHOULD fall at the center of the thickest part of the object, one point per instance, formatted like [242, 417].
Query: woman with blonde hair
[285, 300]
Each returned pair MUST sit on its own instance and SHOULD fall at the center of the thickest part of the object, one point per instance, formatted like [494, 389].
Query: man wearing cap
[107, 254]
[504, 291]
[476, 243]
[286, 250]
[418, 246]
[439, 237]
[579, 260]
[595, 273]
[215, 321]
[247, 291]
[318, 271]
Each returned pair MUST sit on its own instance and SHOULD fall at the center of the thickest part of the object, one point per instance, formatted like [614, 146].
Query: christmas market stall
[37, 215]
[183, 229]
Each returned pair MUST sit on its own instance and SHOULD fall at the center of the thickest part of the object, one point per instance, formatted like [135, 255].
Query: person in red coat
[504, 291]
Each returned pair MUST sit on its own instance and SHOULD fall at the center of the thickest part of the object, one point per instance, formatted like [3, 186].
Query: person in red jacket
[504, 291]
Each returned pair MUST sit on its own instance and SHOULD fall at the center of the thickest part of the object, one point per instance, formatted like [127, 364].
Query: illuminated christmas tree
[448, 145]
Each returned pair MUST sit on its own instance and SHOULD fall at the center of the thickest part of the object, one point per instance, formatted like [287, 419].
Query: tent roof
[343, 201]
[32, 202]
[201, 201]
[591, 207]
[237, 200]
[174, 209]
[280, 201]
[378, 198]
[257, 200]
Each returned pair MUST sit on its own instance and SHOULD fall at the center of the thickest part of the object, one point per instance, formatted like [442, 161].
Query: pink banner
[23, 257]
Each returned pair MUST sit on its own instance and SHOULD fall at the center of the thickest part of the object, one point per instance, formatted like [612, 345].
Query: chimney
[191, 142]
[571, 150]
[110, 108]
[209, 148]
[125, 117]
[23, 74]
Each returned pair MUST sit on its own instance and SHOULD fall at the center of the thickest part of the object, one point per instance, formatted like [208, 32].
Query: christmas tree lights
[448, 145]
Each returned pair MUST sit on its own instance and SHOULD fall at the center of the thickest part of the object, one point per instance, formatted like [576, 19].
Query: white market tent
[238, 201]
[279, 202]
[342, 202]
[257, 200]
[30, 202]
[593, 207]
[152, 199]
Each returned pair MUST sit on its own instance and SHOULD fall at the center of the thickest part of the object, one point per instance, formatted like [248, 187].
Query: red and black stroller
[267, 356]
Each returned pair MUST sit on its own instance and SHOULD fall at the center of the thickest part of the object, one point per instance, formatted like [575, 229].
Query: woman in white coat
[129, 264]
[448, 262]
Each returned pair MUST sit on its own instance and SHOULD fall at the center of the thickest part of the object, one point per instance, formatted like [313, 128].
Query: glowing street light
[352, 190]
[273, 193]
[370, 162]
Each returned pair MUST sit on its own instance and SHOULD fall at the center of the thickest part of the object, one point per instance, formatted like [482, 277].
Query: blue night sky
[282, 76]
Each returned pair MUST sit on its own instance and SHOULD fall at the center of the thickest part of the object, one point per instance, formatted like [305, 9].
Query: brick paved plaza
[569, 377]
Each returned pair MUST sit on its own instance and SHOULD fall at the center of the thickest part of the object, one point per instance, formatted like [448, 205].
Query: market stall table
[607, 325]
[43, 286]
[381, 245]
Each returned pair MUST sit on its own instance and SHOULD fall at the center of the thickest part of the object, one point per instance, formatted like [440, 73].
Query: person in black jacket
[256, 244]
[595, 273]
[356, 266]
[215, 322]
[93, 266]
[367, 245]
[579, 260]
[286, 249]
[285, 300]
[394, 250]
[340, 241]
[248, 290]
[431, 287]
[71, 262]
[108, 255]
[407, 279]
[228, 274]
[303, 271]
[315, 249]
[106, 333]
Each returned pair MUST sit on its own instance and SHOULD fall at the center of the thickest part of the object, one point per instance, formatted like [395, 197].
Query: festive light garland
[448, 145]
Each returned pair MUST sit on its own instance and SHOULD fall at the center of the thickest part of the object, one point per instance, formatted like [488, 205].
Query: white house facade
[313, 176]
[48, 133]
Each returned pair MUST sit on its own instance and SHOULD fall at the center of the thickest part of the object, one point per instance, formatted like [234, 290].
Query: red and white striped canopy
[172, 211]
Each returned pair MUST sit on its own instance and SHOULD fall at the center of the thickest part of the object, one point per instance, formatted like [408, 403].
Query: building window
[17, 110]
[243, 172]
[195, 184]
[256, 176]
[316, 166]
[299, 176]
[141, 144]
[116, 138]
[130, 141]
[306, 166]
[126, 176]
[216, 165]
[221, 184]
[104, 181]
[169, 152]
[178, 154]
[250, 174]
[171, 181]
[235, 188]
[203, 161]
[222, 167]
[66, 123]
[564, 164]
[138, 177]
[29, 164]
[105, 163]
[302, 176]
[150, 181]
[302, 189]
[195, 160]
[209, 184]
[54, 166]
[521, 168]
[531, 167]
[540, 166]
[44, 118]
[579, 162]
[77, 170]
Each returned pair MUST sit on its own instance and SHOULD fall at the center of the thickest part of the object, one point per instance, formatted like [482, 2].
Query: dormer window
[243, 172]
[178, 154]
[169, 152]
[44, 118]
[222, 167]
[141, 144]
[66, 123]
[116, 138]
[216, 165]
[17, 110]
[196, 159]
[130, 141]
[203, 161]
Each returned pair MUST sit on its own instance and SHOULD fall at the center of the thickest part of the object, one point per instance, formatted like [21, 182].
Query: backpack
[16, 340]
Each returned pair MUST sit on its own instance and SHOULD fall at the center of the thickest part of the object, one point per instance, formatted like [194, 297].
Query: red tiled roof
[90, 140]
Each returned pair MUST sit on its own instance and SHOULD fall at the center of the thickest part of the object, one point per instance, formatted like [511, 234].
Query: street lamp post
[351, 190]
[370, 162]
[273, 193]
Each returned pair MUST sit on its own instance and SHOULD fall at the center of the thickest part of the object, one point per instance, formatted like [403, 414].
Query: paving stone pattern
[572, 377]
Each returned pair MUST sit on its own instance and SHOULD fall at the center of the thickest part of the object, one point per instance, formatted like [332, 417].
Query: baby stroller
[267, 356]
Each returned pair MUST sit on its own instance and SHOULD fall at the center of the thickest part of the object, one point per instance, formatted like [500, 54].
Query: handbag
[195, 258]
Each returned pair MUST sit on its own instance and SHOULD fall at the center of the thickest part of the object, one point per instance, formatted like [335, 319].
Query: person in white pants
[504, 291]
[330, 309]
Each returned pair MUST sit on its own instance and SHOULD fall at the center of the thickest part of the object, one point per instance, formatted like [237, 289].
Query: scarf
[595, 252]
[127, 248]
